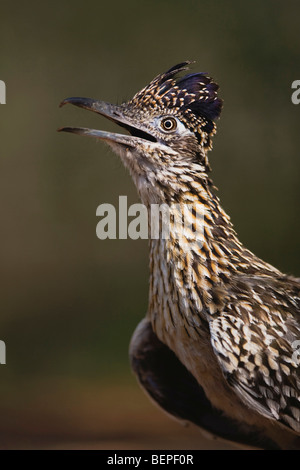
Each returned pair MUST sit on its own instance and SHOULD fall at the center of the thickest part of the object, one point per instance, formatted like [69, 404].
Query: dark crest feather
[202, 85]
[173, 71]
[191, 94]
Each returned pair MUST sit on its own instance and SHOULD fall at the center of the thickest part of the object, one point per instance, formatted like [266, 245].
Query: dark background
[70, 302]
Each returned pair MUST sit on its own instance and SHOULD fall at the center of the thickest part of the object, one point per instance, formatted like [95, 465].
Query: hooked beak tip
[63, 103]
[67, 129]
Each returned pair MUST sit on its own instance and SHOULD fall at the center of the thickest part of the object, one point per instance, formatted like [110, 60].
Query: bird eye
[168, 124]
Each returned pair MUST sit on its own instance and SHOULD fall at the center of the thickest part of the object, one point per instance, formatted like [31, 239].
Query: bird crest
[192, 97]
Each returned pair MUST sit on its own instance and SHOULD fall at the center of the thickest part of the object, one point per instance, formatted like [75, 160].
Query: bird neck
[198, 228]
[190, 266]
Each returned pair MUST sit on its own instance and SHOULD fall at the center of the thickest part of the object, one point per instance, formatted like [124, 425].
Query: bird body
[226, 318]
[217, 345]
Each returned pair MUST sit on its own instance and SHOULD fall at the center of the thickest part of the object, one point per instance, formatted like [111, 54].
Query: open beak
[114, 113]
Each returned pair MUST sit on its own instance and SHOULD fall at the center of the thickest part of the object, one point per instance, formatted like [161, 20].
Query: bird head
[170, 122]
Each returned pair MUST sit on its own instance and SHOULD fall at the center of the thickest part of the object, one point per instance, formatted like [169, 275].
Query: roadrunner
[218, 345]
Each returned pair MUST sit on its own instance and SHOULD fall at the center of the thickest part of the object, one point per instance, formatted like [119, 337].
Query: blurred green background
[70, 302]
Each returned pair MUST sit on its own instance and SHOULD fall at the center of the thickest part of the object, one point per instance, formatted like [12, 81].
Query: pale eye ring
[168, 124]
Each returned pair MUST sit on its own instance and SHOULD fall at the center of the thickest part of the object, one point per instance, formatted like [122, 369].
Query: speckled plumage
[225, 322]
